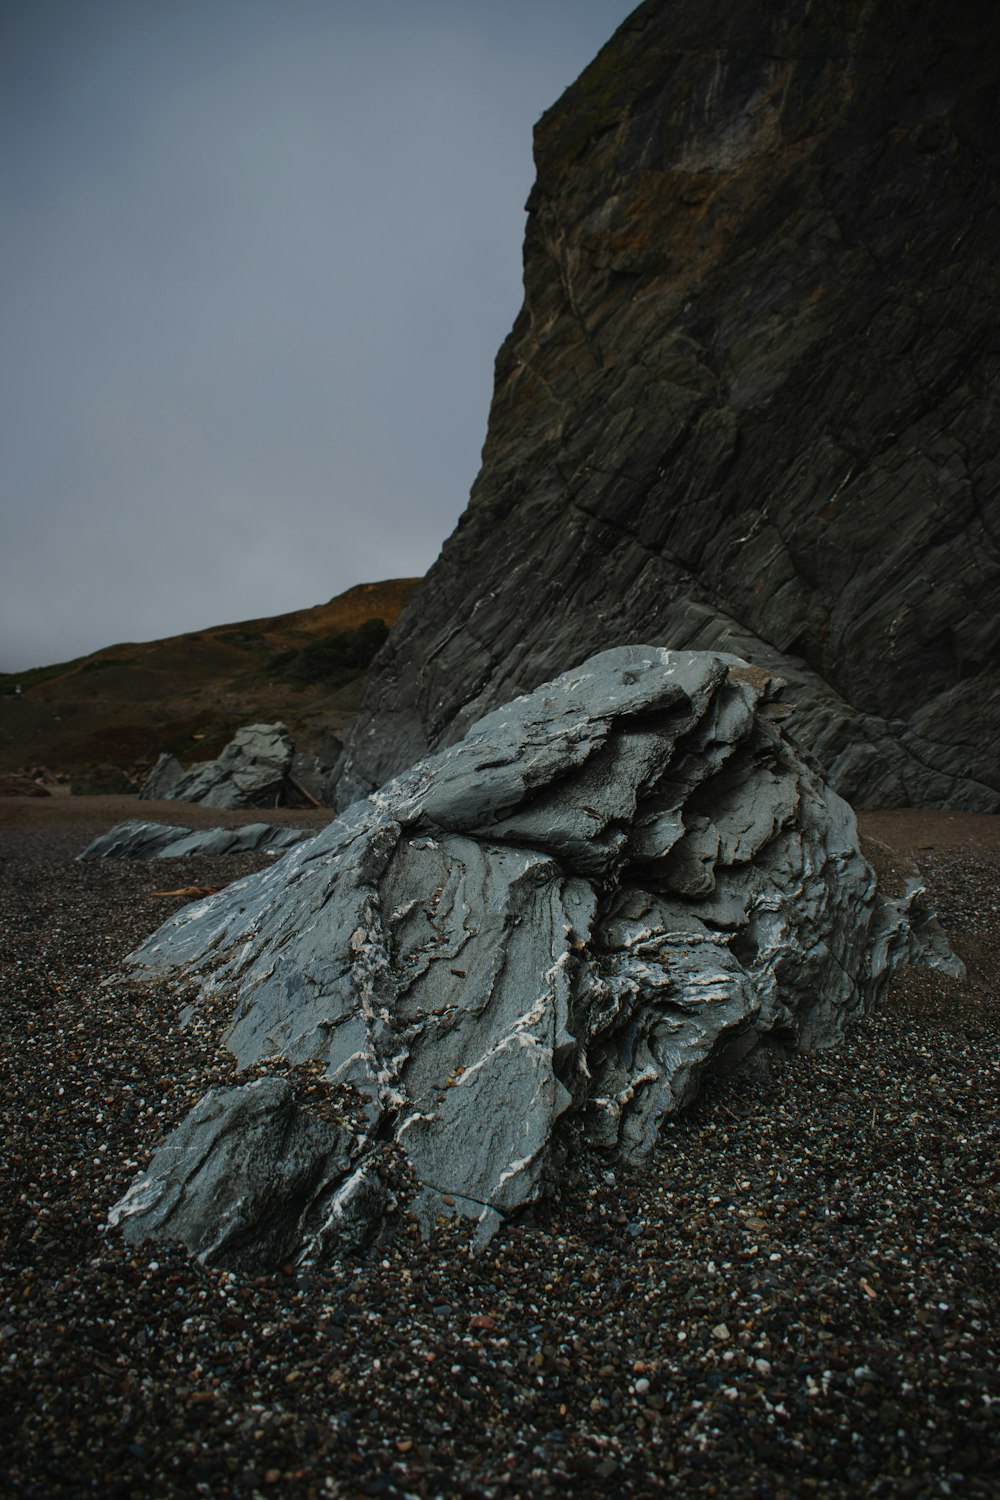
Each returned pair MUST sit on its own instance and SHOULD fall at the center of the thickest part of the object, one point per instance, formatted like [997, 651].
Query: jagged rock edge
[227, 968]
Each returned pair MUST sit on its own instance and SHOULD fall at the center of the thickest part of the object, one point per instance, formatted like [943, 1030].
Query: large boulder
[252, 771]
[609, 887]
[749, 404]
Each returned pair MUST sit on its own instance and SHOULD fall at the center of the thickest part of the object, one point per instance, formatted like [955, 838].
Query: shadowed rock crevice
[608, 885]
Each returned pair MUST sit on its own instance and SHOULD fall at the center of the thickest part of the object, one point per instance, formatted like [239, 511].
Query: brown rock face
[751, 400]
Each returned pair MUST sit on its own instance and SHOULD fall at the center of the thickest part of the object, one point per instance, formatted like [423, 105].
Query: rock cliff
[750, 403]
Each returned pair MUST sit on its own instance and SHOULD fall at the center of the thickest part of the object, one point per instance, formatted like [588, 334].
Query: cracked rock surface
[612, 884]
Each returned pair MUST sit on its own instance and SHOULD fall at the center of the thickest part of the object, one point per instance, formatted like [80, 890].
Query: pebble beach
[798, 1293]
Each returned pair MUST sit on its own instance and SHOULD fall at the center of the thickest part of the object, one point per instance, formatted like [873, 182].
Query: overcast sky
[258, 256]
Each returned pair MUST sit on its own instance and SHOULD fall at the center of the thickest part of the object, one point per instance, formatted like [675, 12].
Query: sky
[257, 259]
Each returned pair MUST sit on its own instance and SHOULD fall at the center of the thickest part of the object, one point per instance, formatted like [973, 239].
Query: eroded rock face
[749, 404]
[607, 886]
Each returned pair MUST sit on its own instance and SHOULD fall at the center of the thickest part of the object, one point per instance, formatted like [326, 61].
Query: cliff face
[751, 400]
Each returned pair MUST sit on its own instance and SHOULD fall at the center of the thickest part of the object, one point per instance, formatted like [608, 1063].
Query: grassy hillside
[187, 694]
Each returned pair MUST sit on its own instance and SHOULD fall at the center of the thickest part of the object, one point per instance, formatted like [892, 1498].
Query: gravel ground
[797, 1295]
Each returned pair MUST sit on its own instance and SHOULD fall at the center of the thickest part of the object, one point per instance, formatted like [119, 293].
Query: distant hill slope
[187, 694]
[751, 400]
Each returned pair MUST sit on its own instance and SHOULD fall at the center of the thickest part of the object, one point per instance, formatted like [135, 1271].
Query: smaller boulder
[160, 783]
[252, 771]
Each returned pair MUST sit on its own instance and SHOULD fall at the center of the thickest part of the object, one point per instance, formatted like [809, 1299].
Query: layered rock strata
[136, 839]
[750, 401]
[608, 887]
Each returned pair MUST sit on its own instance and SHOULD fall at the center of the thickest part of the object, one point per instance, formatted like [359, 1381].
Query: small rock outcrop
[608, 887]
[135, 839]
[749, 404]
[259, 768]
[252, 771]
[159, 784]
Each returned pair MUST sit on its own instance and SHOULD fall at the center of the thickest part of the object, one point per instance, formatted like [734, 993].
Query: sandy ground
[94, 815]
[917, 831]
[910, 831]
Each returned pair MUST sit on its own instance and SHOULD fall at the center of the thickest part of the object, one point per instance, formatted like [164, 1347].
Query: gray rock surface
[135, 839]
[749, 404]
[162, 779]
[250, 1178]
[313, 776]
[608, 887]
[250, 772]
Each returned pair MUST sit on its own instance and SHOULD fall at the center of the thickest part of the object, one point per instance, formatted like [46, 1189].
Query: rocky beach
[746, 415]
[795, 1295]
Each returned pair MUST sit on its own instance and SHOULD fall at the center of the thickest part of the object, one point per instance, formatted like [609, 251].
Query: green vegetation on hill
[333, 659]
[11, 681]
